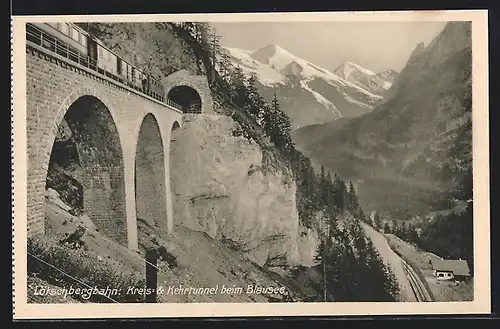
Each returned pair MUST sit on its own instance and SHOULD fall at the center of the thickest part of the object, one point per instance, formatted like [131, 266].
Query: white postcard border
[481, 303]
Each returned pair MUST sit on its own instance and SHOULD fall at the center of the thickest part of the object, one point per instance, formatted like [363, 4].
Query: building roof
[457, 266]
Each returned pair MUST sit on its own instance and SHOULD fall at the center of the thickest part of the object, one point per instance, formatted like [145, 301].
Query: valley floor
[443, 291]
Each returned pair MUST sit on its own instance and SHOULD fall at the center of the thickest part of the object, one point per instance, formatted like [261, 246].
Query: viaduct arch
[92, 141]
[149, 175]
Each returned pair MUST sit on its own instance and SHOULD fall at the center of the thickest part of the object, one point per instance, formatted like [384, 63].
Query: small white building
[450, 269]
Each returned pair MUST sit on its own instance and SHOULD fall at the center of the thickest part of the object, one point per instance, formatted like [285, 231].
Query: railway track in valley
[420, 291]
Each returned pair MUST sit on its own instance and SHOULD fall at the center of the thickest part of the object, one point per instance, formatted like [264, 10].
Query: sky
[374, 45]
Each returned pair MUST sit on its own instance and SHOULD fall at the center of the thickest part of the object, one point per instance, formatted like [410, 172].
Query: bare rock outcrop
[219, 186]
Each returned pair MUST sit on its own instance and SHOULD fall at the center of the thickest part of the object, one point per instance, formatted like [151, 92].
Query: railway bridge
[119, 137]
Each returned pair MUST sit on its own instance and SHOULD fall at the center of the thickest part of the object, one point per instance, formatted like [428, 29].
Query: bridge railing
[170, 102]
[45, 40]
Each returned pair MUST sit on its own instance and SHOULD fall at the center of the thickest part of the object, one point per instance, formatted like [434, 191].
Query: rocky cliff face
[220, 187]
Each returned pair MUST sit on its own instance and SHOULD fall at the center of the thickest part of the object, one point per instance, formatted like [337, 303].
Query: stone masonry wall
[150, 173]
[103, 201]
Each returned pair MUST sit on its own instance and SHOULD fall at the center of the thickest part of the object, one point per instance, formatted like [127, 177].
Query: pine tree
[238, 78]
[404, 231]
[387, 228]
[226, 65]
[342, 197]
[322, 186]
[238, 81]
[321, 258]
[269, 122]
[252, 92]
[277, 126]
[255, 103]
[320, 252]
[202, 37]
[285, 129]
[378, 221]
[395, 229]
[276, 105]
[411, 234]
[330, 198]
[383, 283]
[350, 203]
[215, 51]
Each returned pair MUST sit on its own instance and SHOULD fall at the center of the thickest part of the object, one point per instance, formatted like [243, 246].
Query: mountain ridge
[308, 93]
[377, 83]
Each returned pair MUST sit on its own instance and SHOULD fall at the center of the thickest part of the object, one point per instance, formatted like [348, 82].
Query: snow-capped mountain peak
[270, 58]
[264, 73]
[377, 83]
[309, 93]
[286, 63]
[274, 55]
[349, 67]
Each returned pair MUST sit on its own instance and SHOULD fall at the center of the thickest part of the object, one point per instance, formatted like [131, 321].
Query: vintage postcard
[282, 164]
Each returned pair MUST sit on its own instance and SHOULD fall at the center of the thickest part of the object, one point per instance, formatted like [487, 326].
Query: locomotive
[71, 41]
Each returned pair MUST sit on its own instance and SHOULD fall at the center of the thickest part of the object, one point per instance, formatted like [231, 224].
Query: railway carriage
[155, 86]
[71, 41]
[129, 73]
[63, 37]
[106, 60]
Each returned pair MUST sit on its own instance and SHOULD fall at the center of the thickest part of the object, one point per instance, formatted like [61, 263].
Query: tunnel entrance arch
[187, 97]
[85, 167]
[185, 85]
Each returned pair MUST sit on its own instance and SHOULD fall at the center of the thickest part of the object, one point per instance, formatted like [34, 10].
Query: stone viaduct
[123, 143]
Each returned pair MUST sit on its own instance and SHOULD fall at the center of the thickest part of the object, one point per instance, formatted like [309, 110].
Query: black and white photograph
[277, 161]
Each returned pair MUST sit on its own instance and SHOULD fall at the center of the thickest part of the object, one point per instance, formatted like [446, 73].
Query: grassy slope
[199, 262]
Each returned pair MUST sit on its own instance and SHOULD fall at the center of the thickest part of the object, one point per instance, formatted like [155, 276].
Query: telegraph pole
[323, 258]
[151, 275]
